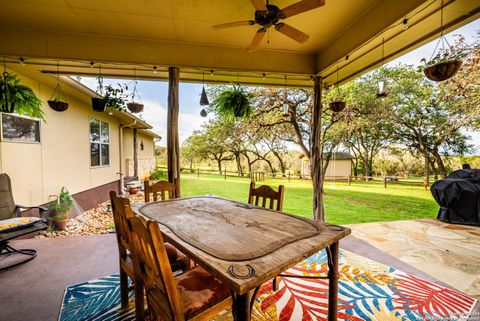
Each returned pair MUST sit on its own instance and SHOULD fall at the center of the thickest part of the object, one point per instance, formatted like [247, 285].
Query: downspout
[120, 172]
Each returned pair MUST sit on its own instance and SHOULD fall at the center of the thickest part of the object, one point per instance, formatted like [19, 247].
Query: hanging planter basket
[443, 71]
[337, 106]
[233, 103]
[135, 107]
[98, 104]
[58, 105]
[58, 101]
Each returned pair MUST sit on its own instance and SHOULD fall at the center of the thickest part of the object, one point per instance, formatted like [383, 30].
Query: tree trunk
[426, 168]
[316, 150]
[219, 164]
[281, 163]
[173, 155]
[239, 164]
[440, 164]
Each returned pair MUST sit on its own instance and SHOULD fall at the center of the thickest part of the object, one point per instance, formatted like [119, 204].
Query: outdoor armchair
[13, 225]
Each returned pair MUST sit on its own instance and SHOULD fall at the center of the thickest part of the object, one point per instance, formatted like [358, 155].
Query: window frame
[6, 140]
[99, 142]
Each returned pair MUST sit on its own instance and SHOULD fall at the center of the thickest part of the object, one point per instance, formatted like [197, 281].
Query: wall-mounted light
[141, 145]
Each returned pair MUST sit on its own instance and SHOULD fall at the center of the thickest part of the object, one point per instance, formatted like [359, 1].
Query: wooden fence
[261, 176]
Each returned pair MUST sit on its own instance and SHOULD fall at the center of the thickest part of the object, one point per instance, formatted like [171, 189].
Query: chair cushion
[17, 223]
[199, 291]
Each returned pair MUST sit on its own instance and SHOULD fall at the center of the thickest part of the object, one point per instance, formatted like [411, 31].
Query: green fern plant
[18, 98]
[233, 103]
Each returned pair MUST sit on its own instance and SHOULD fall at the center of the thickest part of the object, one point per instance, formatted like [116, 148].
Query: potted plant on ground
[60, 209]
[18, 98]
[233, 103]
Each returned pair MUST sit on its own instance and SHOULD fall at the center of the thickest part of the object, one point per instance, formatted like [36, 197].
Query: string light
[22, 61]
[92, 64]
[155, 71]
[405, 24]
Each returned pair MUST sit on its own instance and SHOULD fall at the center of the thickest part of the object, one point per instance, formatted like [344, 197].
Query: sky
[154, 93]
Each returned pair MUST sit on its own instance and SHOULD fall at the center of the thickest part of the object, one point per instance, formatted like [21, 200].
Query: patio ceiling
[120, 34]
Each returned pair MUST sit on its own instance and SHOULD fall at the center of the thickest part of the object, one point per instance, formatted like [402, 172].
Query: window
[99, 143]
[20, 129]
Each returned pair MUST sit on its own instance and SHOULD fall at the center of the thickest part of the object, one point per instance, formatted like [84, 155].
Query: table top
[242, 245]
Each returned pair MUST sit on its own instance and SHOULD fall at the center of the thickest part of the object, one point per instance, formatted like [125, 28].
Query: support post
[316, 157]
[135, 153]
[173, 155]
[225, 174]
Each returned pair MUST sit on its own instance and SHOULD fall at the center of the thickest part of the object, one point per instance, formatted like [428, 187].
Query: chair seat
[199, 291]
[37, 226]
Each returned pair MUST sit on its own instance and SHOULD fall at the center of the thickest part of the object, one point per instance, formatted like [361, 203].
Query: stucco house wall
[62, 157]
[146, 157]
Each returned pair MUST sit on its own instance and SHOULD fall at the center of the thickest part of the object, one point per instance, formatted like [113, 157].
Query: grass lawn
[359, 203]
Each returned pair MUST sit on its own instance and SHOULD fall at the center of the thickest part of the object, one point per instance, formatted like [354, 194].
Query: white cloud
[156, 115]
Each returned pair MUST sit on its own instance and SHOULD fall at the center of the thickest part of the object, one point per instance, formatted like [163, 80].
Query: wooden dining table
[243, 245]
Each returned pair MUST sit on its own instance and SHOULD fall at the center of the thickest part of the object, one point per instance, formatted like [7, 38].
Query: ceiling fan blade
[257, 39]
[259, 5]
[301, 6]
[234, 24]
[291, 32]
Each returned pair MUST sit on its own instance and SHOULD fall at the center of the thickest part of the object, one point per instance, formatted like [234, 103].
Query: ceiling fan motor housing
[270, 17]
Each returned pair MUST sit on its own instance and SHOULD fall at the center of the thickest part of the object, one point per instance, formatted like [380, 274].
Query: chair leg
[139, 301]
[275, 284]
[6, 249]
[123, 289]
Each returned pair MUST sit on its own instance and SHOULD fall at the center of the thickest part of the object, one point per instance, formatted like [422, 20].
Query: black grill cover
[459, 197]
[472, 175]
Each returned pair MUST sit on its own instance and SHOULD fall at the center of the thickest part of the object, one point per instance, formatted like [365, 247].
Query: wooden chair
[161, 188]
[177, 260]
[125, 250]
[266, 193]
[193, 295]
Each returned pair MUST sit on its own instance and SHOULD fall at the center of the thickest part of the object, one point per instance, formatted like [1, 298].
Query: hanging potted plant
[112, 97]
[133, 106]
[58, 101]
[233, 103]
[337, 104]
[15, 97]
[60, 209]
[442, 66]
[446, 62]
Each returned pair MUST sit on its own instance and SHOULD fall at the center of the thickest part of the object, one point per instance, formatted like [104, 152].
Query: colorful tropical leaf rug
[368, 290]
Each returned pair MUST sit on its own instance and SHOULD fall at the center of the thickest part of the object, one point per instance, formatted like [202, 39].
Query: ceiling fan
[268, 15]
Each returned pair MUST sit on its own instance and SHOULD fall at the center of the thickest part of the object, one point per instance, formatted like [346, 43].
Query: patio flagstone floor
[34, 291]
[447, 252]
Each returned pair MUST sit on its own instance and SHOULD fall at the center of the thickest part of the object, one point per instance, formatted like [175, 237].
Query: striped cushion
[17, 223]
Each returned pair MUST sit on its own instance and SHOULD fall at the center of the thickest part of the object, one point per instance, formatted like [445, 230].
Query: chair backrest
[161, 188]
[155, 270]
[7, 204]
[266, 193]
[120, 218]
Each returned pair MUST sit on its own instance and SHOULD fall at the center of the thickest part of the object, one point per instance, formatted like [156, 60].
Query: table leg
[241, 306]
[332, 254]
